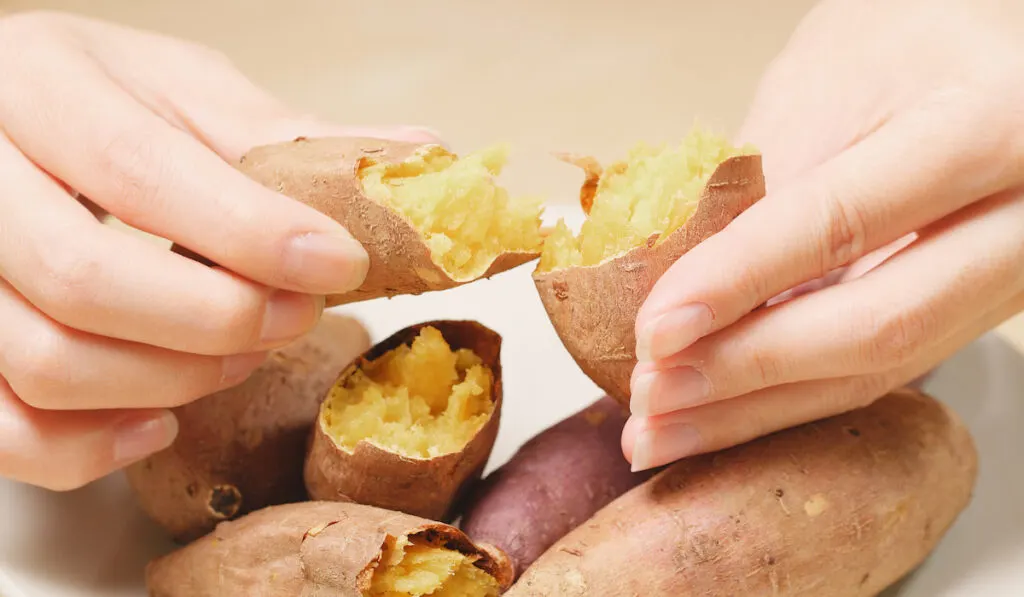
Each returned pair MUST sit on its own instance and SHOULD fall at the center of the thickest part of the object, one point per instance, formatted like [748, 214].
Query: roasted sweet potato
[428, 219]
[843, 507]
[332, 549]
[411, 424]
[643, 214]
[243, 448]
[555, 482]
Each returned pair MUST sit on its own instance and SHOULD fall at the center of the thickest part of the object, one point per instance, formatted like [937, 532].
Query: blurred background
[541, 75]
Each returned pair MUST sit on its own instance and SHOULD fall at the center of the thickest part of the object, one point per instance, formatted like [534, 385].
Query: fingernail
[664, 445]
[326, 263]
[667, 390]
[138, 436]
[673, 331]
[289, 315]
[237, 368]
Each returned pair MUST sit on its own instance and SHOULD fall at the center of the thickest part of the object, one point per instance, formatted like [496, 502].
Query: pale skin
[889, 238]
[102, 332]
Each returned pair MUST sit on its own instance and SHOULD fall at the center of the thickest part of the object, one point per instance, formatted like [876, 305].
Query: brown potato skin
[303, 549]
[843, 507]
[241, 449]
[323, 173]
[430, 488]
[593, 309]
[556, 481]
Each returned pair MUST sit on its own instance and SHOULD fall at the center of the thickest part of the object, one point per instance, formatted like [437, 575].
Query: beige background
[542, 75]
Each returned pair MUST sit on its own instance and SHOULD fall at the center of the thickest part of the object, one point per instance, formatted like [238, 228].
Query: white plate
[94, 542]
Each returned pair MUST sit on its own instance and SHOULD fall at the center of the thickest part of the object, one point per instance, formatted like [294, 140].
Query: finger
[159, 179]
[217, 103]
[869, 324]
[97, 279]
[915, 170]
[650, 442]
[53, 367]
[66, 450]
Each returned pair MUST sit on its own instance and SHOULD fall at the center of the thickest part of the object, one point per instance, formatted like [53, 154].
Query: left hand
[892, 233]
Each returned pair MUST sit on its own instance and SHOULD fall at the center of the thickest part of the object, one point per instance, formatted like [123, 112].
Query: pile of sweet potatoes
[266, 502]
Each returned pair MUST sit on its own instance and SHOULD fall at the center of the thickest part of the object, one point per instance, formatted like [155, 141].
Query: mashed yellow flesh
[420, 400]
[465, 218]
[413, 569]
[655, 190]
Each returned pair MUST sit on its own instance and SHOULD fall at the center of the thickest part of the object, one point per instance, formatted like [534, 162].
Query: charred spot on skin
[561, 290]
[779, 493]
[853, 431]
[864, 579]
[300, 139]
[225, 501]
[192, 489]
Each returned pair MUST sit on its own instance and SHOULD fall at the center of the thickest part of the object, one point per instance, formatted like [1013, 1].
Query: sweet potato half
[643, 214]
[842, 507]
[429, 219]
[555, 482]
[243, 448]
[330, 548]
[410, 425]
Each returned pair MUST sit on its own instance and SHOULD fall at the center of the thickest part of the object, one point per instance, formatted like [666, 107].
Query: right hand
[101, 331]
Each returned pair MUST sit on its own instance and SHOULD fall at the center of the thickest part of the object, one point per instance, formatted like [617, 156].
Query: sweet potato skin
[843, 507]
[303, 549]
[556, 481]
[243, 448]
[593, 308]
[431, 487]
[323, 173]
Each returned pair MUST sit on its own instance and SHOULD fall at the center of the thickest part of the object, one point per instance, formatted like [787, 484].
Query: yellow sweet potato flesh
[655, 190]
[465, 218]
[419, 400]
[412, 569]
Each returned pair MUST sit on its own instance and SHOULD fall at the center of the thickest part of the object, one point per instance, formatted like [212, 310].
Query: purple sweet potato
[554, 483]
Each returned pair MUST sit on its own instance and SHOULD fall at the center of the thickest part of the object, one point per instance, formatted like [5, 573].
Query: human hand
[100, 330]
[890, 237]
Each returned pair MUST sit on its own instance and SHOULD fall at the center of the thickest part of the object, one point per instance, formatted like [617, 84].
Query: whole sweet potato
[555, 482]
[841, 508]
[243, 448]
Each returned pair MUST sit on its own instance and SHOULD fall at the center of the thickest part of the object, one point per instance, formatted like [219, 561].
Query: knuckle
[136, 171]
[897, 337]
[752, 283]
[39, 369]
[765, 366]
[844, 233]
[66, 281]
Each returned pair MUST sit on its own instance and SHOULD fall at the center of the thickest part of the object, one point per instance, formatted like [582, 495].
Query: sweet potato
[428, 219]
[643, 214]
[843, 507]
[332, 549]
[555, 482]
[243, 448]
[410, 425]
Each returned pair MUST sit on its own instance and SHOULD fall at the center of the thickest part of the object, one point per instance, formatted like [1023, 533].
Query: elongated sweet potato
[429, 219]
[243, 448]
[410, 425]
[643, 214]
[555, 482]
[843, 507]
[331, 549]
